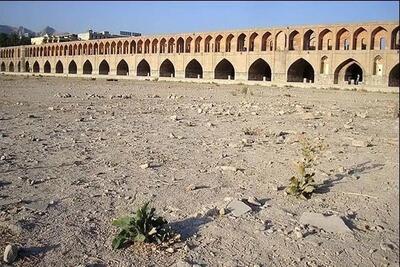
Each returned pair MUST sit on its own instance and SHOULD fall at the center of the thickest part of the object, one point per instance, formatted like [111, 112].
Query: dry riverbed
[73, 153]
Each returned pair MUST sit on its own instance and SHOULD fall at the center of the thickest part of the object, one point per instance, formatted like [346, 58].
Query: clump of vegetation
[303, 185]
[144, 226]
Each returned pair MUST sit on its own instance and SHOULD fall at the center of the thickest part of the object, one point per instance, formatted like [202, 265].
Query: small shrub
[303, 185]
[245, 90]
[155, 79]
[145, 226]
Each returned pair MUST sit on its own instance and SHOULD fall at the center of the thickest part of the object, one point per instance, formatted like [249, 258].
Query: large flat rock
[333, 223]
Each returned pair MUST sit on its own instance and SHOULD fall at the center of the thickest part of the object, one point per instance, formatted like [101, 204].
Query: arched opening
[197, 44]
[139, 47]
[193, 69]
[265, 40]
[252, 42]
[122, 68]
[167, 69]
[241, 41]
[224, 70]
[171, 44]
[36, 67]
[188, 44]
[259, 71]
[154, 45]
[217, 46]
[324, 65]
[11, 67]
[180, 45]
[87, 67]
[359, 38]
[378, 39]
[27, 67]
[73, 69]
[126, 48]
[348, 72]
[119, 48]
[309, 40]
[394, 79]
[107, 48]
[395, 38]
[378, 66]
[104, 68]
[19, 66]
[207, 44]
[3, 66]
[294, 40]
[228, 43]
[59, 67]
[47, 67]
[342, 39]
[147, 46]
[163, 44]
[300, 71]
[133, 47]
[143, 68]
[280, 41]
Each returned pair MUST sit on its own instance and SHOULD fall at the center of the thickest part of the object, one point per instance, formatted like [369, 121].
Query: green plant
[144, 226]
[303, 185]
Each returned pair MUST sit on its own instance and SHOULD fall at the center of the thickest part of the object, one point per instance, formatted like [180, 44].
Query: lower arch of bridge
[104, 68]
[348, 70]
[36, 67]
[193, 69]
[87, 67]
[3, 66]
[167, 69]
[11, 67]
[143, 68]
[300, 69]
[59, 67]
[394, 79]
[73, 69]
[122, 68]
[224, 70]
[47, 67]
[27, 67]
[258, 70]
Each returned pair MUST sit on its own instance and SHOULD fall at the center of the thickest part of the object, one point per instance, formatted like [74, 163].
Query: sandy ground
[70, 165]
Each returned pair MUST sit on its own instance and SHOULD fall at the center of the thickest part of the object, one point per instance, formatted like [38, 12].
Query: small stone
[254, 201]
[10, 253]
[222, 211]
[191, 187]
[174, 117]
[328, 223]
[387, 246]
[182, 263]
[170, 250]
[145, 166]
[228, 168]
[199, 111]
[360, 143]
[238, 208]
[298, 234]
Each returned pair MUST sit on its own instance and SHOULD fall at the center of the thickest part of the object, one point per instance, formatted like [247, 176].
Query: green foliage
[13, 40]
[303, 185]
[144, 226]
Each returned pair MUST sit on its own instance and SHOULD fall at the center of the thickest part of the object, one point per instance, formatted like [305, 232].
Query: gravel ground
[71, 151]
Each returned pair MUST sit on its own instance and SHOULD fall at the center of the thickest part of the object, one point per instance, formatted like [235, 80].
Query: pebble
[360, 143]
[10, 253]
[254, 201]
[170, 250]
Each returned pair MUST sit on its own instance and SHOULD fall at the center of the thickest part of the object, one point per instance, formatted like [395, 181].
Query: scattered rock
[227, 168]
[170, 250]
[331, 223]
[360, 143]
[254, 201]
[238, 208]
[191, 187]
[10, 253]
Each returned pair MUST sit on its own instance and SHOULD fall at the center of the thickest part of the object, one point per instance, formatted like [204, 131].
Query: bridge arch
[143, 68]
[167, 69]
[122, 68]
[87, 67]
[47, 67]
[258, 70]
[194, 69]
[299, 70]
[59, 67]
[224, 70]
